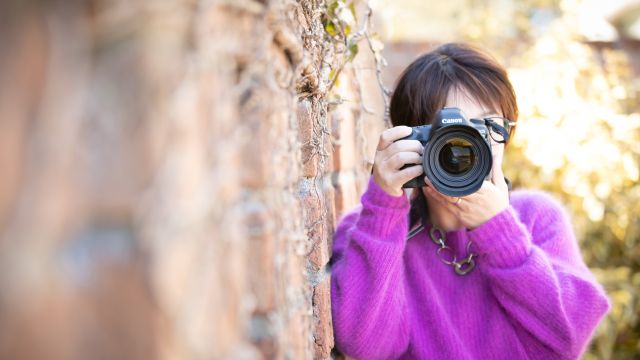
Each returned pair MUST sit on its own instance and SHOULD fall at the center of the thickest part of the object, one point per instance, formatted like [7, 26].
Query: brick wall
[172, 173]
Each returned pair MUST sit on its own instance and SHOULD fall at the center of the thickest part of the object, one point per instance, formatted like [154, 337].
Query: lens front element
[457, 156]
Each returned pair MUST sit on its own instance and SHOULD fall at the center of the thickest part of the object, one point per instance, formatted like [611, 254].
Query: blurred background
[171, 172]
[575, 66]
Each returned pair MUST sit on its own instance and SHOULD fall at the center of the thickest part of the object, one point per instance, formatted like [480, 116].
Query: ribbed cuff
[383, 214]
[503, 241]
[377, 196]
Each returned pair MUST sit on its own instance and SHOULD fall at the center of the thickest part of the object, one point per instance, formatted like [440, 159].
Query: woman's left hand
[476, 209]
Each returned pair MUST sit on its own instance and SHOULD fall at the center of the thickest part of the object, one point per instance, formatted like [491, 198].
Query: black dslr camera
[457, 154]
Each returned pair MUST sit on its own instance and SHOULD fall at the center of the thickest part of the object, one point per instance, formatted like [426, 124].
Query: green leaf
[353, 51]
[352, 7]
[331, 8]
[330, 28]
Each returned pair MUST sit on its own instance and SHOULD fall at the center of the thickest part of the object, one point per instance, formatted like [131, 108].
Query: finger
[409, 173]
[390, 135]
[405, 145]
[436, 193]
[481, 193]
[453, 204]
[398, 160]
[464, 204]
[486, 184]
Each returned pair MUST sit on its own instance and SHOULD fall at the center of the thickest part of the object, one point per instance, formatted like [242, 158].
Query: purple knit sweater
[529, 297]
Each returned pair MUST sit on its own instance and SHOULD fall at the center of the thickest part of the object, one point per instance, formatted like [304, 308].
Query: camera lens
[457, 160]
[457, 156]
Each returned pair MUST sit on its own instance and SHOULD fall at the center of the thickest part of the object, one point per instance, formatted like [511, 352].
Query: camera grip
[420, 133]
[415, 182]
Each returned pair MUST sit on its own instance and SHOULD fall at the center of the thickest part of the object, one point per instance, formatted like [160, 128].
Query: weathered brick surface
[171, 178]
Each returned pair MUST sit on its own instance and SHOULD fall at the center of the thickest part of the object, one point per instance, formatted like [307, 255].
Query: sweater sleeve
[367, 292]
[538, 276]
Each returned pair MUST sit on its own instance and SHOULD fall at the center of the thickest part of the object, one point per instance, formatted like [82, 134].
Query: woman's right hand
[392, 154]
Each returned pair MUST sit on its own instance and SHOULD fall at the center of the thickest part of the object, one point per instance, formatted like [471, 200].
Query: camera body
[457, 155]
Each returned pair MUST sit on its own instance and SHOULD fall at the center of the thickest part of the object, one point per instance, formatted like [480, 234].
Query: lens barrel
[457, 160]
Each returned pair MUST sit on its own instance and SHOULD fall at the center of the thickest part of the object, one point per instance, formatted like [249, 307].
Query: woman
[492, 275]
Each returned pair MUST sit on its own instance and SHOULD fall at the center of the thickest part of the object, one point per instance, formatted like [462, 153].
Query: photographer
[427, 274]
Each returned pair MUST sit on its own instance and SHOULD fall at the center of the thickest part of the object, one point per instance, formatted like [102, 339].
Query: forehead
[470, 105]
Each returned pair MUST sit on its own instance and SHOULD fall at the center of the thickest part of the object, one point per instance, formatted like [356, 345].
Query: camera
[457, 154]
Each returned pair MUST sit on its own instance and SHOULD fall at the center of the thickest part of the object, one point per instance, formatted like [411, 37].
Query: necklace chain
[462, 267]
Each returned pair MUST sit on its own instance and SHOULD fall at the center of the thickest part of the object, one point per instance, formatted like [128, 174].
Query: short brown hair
[424, 85]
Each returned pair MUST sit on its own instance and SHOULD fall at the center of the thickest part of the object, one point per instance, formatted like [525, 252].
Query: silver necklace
[462, 267]
[446, 254]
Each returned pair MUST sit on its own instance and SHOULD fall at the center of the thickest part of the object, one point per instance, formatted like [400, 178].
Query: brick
[261, 254]
[307, 139]
[323, 328]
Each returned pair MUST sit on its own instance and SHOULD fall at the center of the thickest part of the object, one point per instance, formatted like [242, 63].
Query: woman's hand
[392, 155]
[476, 209]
